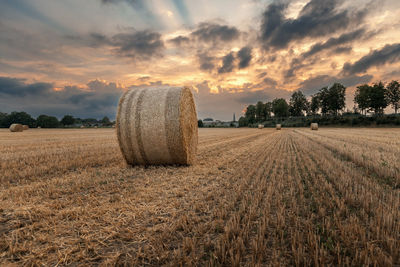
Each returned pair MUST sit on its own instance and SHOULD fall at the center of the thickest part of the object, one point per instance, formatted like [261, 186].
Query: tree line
[331, 101]
[45, 121]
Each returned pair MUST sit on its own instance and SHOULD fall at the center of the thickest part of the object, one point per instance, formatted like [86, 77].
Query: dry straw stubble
[157, 125]
[16, 127]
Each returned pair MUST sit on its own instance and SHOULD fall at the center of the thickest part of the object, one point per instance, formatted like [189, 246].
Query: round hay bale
[157, 125]
[314, 126]
[39, 127]
[260, 126]
[26, 127]
[278, 126]
[16, 127]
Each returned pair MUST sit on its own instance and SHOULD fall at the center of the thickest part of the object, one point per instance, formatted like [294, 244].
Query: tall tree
[268, 109]
[251, 114]
[393, 95]
[45, 121]
[378, 101]
[362, 97]
[315, 103]
[280, 107]
[19, 117]
[323, 96]
[260, 112]
[67, 120]
[298, 104]
[336, 98]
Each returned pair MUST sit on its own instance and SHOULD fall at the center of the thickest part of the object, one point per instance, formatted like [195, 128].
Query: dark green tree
[268, 109]
[243, 122]
[315, 104]
[393, 95]
[298, 104]
[362, 97]
[336, 98]
[323, 96]
[67, 120]
[200, 123]
[251, 114]
[260, 112]
[280, 107]
[106, 121]
[3, 117]
[19, 117]
[45, 121]
[378, 100]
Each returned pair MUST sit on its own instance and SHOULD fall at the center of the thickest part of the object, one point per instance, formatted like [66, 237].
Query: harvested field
[290, 197]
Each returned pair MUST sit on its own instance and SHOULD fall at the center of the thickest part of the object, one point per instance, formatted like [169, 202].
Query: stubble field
[254, 197]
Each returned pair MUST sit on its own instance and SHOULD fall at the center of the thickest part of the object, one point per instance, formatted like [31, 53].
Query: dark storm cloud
[334, 42]
[317, 18]
[206, 62]
[244, 56]
[18, 87]
[227, 63]
[212, 33]
[140, 44]
[336, 45]
[96, 100]
[313, 84]
[180, 40]
[387, 54]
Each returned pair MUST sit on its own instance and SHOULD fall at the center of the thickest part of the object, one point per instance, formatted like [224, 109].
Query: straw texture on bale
[314, 126]
[157, 126]
[16, 127]
[278, 126]
[26, 127]
[260, 126]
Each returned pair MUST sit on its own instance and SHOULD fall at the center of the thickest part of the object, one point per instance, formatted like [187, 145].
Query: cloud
[313, 84]
[334, 42]
[140, 44]
[244, 56]
[18, 87]
[390, 53]
[212, 33]
[180, 40]
[227, 63]
[317, 18]
[206, 62]
[96, 99]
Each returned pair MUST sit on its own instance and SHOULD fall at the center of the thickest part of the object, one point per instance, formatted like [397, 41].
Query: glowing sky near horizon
[76, 57]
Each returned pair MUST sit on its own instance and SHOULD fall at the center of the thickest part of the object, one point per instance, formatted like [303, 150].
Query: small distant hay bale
[16, 127]
[26, 127]
[95, 127]
[260, 126]
[39, 127]
[314, 126]
[82, 126]
[278, 126]
[157, 125]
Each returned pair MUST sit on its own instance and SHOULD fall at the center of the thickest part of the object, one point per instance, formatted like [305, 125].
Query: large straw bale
[260, 126]
[16, 127]
[26, 127]
[157, 125]
[278, 126]
[314, 126]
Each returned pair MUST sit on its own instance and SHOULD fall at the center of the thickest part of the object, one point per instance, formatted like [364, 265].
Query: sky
[77, 57]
